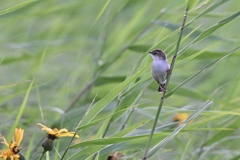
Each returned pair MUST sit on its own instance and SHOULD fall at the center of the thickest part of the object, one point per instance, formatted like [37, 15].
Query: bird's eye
[154, 53]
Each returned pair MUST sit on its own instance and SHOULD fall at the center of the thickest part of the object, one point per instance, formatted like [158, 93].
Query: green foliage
[16, 7]
[191, 4]
[60, 57]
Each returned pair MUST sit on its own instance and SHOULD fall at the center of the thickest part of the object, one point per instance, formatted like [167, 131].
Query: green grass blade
[16, 7]
[90, 151]
[213, 28]
[110, 96]
[210, 30]
[233, 123]
[129, 100]
[209, 9]
[191, 4]
[14, 59]
[21, 109]
[30, 146]
[179, 128]
[106, 141]
[102, 119]
[136, 144]
[186, 149]
[7, 86]
[85, 153]
[199, 53]
[212, 7]
[200, 71]
[235, 157]
[102, 10]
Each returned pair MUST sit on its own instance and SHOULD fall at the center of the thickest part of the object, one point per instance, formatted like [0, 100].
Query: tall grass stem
[163, 95]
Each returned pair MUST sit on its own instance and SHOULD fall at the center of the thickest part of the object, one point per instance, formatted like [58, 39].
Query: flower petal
[58, 133]
[62, 130]
[68, 134]
[5, 142]
[48, 130]
[18, 135]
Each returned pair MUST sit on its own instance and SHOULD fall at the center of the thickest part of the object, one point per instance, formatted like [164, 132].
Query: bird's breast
[160, 66]
[159, 70]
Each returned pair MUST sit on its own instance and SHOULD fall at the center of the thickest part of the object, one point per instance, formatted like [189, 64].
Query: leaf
[233, 123]
[210, 30]
[135, 92]
[96, 108]
[186, 149]
[93, 149]
[179, 128]
[107, 80]
[85, 153]
[7, 86]
[200, 71]
[134, 145]
[102, 10]
[209, 9]
[213, 28]
[235, 157]
[106, 141]
[127, 101]
[102, 119]
[140, 47]
[14, 59]
[21, 109]
[191, 4]
[18, 6]
[188, 92]
[199, 53]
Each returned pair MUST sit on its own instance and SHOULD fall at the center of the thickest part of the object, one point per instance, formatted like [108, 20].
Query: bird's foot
[162, 88]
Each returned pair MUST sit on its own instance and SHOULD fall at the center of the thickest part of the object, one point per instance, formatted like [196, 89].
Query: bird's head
[158, 54]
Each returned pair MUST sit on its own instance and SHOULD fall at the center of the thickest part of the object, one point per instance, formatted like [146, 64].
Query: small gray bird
[160, 68]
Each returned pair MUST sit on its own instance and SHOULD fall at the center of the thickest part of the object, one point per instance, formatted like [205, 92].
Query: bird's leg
[162, 88]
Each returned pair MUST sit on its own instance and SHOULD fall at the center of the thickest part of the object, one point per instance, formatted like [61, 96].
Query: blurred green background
[75, 52]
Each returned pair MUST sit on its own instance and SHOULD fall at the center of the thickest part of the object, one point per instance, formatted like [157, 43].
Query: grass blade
[213, 28]
[199, 72]
[106, 141]
[16, 7]
[212, 7]
[93, 149]
[191, 4]
[101, 12]
[210, 30]
[110, 96]
[179, 128]
[104, 118]
[21, 109]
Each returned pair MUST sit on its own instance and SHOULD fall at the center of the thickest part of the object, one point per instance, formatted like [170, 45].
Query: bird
[160, 68]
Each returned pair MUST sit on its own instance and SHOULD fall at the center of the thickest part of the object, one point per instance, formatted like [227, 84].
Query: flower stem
[163, 95]
[69, 145]
[43, 153]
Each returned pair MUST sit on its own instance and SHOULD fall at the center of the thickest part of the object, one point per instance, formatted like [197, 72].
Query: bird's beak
[150, 52]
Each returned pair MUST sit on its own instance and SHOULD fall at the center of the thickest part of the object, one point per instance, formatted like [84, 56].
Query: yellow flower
[9, 155]
[13, 147]
[180, 118]
[54, 134]
[57, 133]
